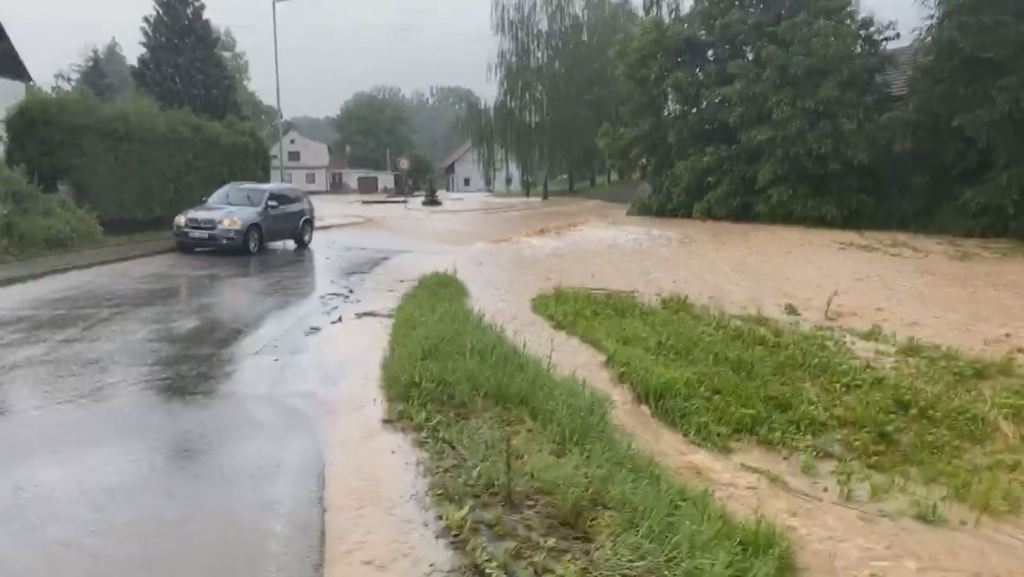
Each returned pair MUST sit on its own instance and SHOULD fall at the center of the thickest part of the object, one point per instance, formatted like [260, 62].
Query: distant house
[896, 75]
[307, 163]
[14, 79]
[465, 172]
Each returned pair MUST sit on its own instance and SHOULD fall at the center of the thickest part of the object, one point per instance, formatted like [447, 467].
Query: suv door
[296, 210]
[275, 225]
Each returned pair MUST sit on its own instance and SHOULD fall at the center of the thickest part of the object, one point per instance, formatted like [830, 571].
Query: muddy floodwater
[207, 416]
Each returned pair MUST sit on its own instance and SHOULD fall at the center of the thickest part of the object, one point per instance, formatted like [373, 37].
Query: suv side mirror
[273, 204]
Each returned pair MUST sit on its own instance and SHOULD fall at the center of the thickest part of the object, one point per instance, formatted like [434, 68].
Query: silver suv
[246, 216]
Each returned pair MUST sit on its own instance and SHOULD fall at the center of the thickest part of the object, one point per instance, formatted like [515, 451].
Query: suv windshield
[237, 195]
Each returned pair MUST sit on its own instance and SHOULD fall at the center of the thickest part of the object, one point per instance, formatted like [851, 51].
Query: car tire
[253, 242]
[305, 236]
[184, 247]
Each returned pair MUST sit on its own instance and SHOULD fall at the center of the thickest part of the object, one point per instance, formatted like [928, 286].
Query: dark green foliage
[965, 118]
[371, 124]
[752, 110]
[421, 171]
[260, 115]
[106, 74]
[530, 473]
[32, 221]
[743, 110]
[131, 163]
[930, 415]
[181, 66]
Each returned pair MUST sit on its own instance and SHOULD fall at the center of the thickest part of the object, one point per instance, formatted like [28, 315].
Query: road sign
[404, 164]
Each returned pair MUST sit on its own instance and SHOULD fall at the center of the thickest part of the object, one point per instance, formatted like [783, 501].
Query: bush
[30, 220]
[131, 162]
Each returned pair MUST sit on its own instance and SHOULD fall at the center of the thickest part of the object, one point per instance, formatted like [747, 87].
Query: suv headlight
[179, 221]
[231, 223]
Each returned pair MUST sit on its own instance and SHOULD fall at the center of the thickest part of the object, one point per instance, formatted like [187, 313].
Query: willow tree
[554, 76]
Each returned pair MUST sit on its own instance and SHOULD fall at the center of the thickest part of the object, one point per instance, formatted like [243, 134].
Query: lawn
[103, 241]
[618, 191]
[528, 472]
[922, 415]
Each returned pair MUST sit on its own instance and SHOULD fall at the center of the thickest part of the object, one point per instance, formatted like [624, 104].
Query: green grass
[618, 191]
[530, 475]
[932, 416]
[101, 242]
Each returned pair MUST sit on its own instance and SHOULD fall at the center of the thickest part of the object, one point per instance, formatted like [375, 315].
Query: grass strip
[928, 415]
[530, 476]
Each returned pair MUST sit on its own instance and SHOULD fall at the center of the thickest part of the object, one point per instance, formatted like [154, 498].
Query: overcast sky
[329, 48]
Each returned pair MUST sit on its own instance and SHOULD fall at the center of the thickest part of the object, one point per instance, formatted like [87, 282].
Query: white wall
[385, 180]
[469, 166]
[314, 159]
[11, 93]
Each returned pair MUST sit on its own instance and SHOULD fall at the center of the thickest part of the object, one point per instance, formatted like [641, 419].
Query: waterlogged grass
[930, 416]
[530, 476]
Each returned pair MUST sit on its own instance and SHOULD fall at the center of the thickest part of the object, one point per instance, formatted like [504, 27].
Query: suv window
[281, 197]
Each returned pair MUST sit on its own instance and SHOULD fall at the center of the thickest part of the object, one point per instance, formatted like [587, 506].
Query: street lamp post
[280, 113]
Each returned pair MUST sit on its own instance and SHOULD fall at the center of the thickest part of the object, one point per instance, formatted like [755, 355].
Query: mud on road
[966, 294]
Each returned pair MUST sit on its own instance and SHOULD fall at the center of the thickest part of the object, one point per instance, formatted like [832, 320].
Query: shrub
[131, 162]
[30, 220]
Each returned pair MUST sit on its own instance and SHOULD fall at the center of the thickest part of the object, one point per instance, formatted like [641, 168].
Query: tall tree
[106, 74]
[252, 108]
[966, 105]
[554, 78]
[758, 109]
[371, 125]
[181, 66]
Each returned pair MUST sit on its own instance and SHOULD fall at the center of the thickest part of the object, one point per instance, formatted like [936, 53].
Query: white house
[307, 163]
[14, 79]
[465, 173]
[362, 181]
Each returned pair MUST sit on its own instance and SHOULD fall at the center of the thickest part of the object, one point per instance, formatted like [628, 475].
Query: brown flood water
[959, 293]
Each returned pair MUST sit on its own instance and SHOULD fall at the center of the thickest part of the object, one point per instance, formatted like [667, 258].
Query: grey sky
[329, 48]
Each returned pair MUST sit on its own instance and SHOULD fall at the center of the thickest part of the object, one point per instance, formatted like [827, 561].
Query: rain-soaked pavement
[163, 417]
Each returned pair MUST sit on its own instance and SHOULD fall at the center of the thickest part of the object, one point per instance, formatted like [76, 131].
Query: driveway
[163, 417]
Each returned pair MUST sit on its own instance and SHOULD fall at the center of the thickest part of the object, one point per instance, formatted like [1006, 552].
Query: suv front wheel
[253, 240]
[305, 236]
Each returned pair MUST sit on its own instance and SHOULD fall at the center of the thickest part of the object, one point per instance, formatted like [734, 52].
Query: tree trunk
[593, 178]
[608, 175]
[545, 195]
[527, 183]
[572, 181]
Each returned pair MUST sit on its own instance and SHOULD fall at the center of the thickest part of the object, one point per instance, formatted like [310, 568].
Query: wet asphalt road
[163, 417]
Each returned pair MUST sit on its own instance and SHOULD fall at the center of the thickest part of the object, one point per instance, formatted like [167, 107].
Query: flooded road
[167, 416]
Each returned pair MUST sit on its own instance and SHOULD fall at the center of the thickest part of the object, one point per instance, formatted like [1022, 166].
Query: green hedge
[32, 221]
[130, 162]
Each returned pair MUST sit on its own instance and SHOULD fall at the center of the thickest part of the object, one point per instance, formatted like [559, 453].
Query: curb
[162, 248]
[12, 280]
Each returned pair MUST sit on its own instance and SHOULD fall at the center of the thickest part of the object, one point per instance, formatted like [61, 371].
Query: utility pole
[280, 114]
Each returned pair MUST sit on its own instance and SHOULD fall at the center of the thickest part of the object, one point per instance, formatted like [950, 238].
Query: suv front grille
[201, 223]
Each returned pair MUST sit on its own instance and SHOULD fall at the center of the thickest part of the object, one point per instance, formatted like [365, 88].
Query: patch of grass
[809, 465]
[531, 476]
[100, 242]
[932, 417]
[928, 512]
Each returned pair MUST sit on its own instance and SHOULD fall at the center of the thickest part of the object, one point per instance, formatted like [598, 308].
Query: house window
[273, 157]
[294, 156]
[288, 177]
[310, 178]
[465, 182]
